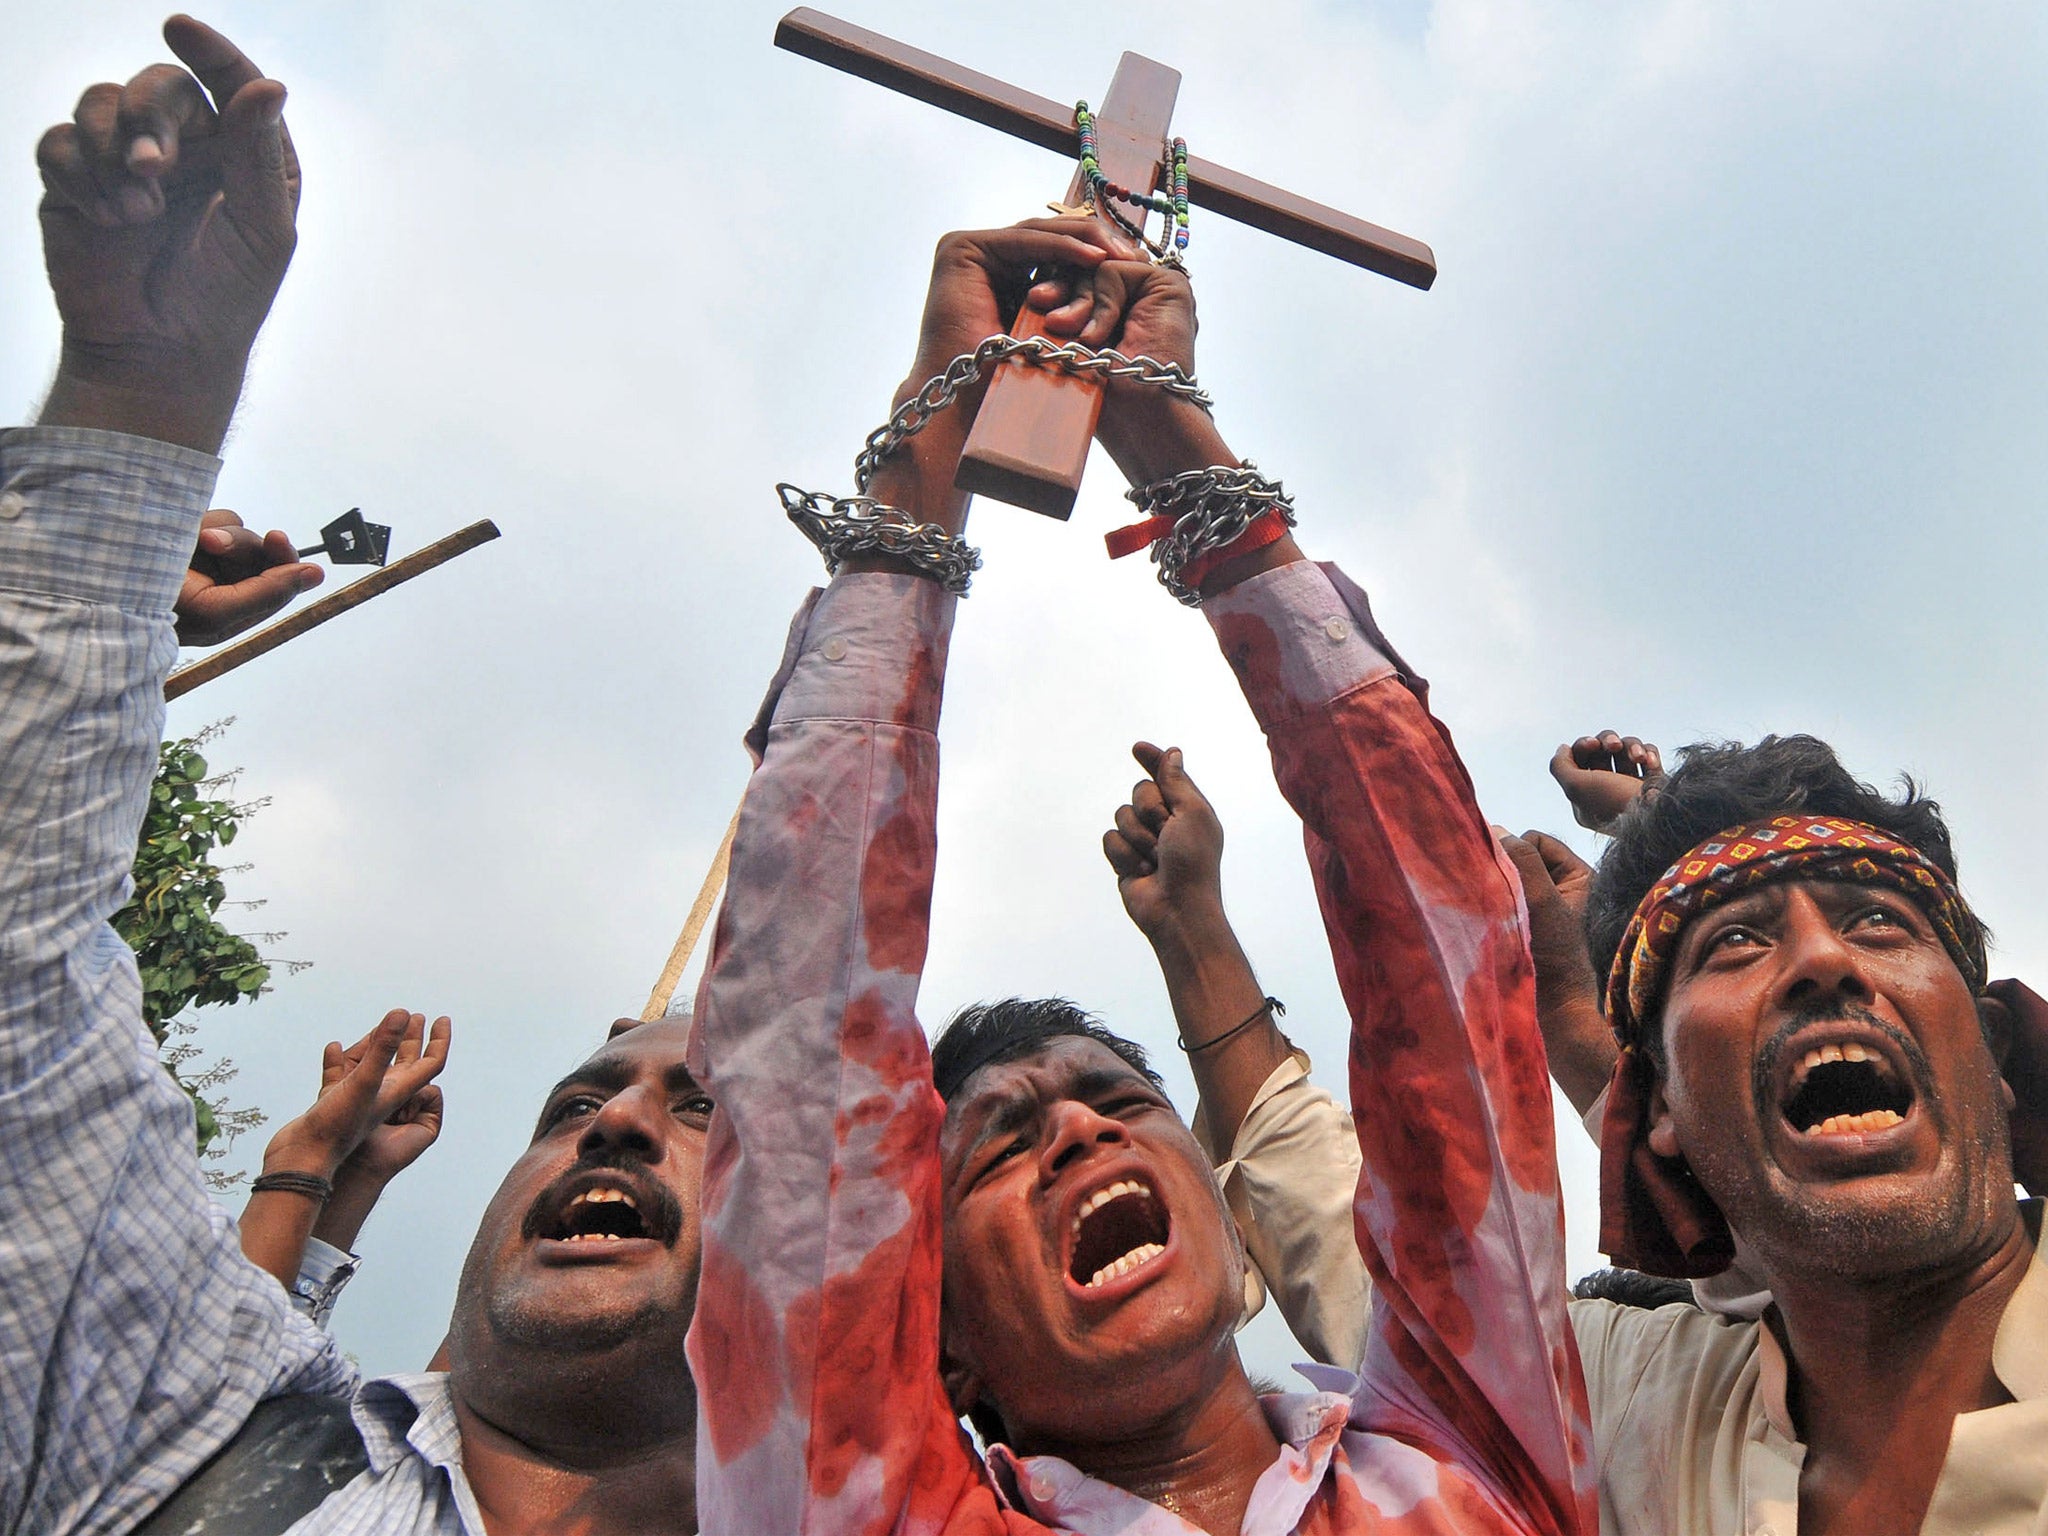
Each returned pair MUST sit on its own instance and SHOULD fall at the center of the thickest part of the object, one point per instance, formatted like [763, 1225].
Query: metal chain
[1211, 508]
[856, 525]
[944, 388]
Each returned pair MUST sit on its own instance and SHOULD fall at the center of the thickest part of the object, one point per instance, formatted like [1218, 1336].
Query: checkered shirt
[134, 1337]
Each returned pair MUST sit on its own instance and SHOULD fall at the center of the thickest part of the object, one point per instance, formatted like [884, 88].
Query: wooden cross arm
[1050, 125]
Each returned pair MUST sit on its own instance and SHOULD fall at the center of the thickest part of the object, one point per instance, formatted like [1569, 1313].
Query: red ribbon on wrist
[1266, 528]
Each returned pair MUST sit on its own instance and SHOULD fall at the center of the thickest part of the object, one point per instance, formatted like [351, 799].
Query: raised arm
[137, 1338]
[815, 1344]
[1284, 1150]
[325, 1170]
[1458, 1213]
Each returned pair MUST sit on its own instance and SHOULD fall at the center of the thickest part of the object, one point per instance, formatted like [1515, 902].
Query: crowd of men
[783, 1266]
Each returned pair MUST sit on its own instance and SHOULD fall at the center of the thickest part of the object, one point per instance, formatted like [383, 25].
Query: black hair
[1718, 785]
[1633, 1288]
[989, 1034]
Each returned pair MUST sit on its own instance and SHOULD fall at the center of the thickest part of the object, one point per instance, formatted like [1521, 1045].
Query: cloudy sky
[1716, 423]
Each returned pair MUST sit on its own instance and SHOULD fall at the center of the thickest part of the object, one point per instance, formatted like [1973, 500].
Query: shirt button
[833, 649]
[12, 505]
[1338, 631]
[1041, 1487]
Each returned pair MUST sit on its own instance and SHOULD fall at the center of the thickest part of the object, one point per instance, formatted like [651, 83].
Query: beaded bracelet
[311, 1185]
[1271, 1005]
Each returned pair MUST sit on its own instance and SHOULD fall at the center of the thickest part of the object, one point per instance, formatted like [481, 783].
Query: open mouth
[1119, 1228]
[590, 1207]
[1845, 1089]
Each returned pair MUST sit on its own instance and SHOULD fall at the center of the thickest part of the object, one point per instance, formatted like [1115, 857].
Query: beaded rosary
[1105, 194]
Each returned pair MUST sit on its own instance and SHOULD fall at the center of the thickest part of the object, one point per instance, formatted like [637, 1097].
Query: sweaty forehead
[1067, 1066]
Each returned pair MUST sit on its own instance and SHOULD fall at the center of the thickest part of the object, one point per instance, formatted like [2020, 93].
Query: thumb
[262, 197]
[1168, 769]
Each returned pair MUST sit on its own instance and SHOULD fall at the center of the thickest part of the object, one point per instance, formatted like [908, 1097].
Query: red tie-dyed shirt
[815, 1346]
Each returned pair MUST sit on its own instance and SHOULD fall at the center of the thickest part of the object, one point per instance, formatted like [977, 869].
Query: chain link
[943, 388]
[1211, 508]
[857, 525]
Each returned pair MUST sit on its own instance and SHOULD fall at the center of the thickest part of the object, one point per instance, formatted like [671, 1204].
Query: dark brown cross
[1030, 441]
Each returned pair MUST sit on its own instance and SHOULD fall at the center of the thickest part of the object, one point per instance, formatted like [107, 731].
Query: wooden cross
[1030, 441]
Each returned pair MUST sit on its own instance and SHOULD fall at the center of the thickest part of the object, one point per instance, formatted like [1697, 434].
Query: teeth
[604, 1195]
[1144, 1253]
[592, 1237]
[1856, 1125]
[1102, 1197]
[1851, 1051]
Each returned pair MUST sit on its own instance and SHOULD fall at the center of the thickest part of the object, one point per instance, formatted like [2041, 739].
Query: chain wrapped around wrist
[1210, 510]
[859, 524]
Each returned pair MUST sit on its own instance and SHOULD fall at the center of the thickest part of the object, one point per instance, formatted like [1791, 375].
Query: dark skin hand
[1576, 1038]
[239, 578]
[979, 279]
[1150, 433]
[169, 217]
[378, 1093]
[1167, 851]
[1602, 775]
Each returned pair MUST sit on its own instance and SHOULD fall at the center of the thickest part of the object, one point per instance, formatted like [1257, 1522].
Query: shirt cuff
[872, 646]
[1298, 640]
[323, 1270]
[100, 517]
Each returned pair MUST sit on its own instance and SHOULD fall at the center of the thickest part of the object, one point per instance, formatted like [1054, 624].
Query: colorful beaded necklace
[1105, 194]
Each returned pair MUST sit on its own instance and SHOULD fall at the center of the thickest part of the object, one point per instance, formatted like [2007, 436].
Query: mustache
[660, 1211]
[1833, 1010]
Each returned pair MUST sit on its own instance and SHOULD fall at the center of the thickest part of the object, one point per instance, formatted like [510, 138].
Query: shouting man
[137, 1344]
[1045, 1246]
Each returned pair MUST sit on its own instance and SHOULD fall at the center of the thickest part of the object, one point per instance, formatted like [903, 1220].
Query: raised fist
[1602, 775]
[169, 217]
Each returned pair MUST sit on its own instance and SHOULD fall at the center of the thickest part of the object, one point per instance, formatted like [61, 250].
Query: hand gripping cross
[1030, 441]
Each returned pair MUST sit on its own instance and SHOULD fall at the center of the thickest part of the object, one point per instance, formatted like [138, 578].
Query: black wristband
[1271, 1005]
[311, 1185]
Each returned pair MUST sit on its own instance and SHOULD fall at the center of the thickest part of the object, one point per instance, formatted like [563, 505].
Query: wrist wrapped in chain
[1211, 509]
[858, 525]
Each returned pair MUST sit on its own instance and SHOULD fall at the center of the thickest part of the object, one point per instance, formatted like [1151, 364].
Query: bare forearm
[275, 1226]
[1214, 993]
[1581, 1049]
[190, 406]
[341, 1218]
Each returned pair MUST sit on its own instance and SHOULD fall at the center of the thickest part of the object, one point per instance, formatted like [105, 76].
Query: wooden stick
[693, 925]
[1050, 125]
[356, 593]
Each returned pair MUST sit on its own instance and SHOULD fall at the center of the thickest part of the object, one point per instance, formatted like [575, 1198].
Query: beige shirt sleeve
[1290, 1179]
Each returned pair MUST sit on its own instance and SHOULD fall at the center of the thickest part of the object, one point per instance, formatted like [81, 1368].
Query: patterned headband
[1782, 848]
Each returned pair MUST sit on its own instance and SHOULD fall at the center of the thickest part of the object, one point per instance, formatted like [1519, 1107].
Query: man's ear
[1663, 1134]
[1994, 1017]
